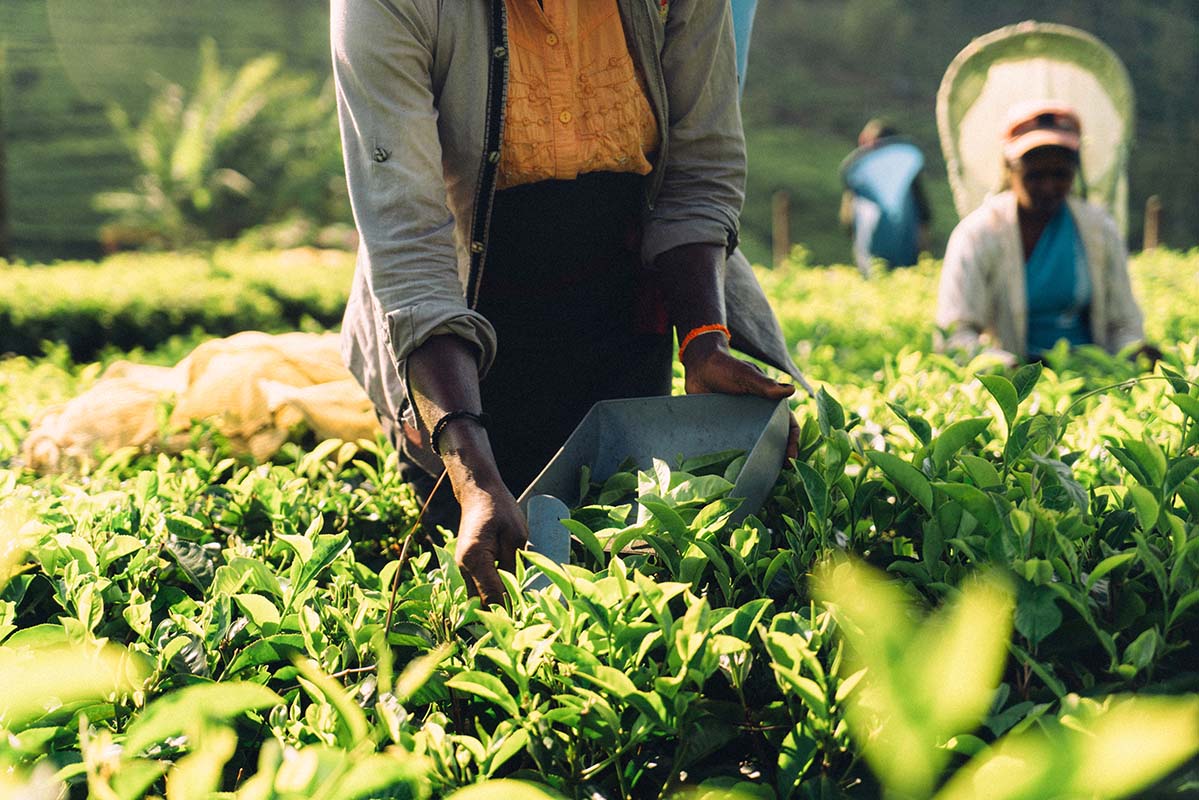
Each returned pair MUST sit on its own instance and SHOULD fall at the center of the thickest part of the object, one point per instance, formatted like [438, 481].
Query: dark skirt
[575, 318]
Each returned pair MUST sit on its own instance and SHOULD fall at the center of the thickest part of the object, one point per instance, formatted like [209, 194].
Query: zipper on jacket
[497, 92]
[647, 51]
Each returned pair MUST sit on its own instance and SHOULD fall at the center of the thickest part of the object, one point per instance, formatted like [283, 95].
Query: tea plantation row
[195, 625]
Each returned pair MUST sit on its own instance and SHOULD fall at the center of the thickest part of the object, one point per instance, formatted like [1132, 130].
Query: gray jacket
[982, 301]
[421, 87]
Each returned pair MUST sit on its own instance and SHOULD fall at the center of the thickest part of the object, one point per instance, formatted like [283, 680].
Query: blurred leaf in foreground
[925, 681]
[19, 526]
[505, 789]
[36, 682]
[1112, 749]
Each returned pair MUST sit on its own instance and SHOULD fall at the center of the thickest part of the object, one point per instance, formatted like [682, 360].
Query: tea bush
[250, 628]
[133, 300]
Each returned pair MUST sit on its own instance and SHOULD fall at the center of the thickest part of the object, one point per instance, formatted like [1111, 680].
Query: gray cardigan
[982, 300]
[420, 89]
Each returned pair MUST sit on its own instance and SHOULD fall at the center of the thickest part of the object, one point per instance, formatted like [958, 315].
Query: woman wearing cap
[1034, 265]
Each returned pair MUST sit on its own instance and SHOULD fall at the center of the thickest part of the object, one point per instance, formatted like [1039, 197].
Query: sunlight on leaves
[925, 681]
[505, 790]
[1109, 751]
[36, 682]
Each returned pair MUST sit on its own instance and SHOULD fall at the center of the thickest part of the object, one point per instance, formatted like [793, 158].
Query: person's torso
[470, 83]
[576, 100]
[1058, 286]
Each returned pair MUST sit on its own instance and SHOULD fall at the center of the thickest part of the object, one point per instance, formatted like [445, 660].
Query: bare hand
[712, 369]
[491, 531]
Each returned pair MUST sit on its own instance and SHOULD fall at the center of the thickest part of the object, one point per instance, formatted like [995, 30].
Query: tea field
[974, 582]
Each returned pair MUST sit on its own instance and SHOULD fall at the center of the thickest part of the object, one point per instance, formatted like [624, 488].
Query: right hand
[492, 530]
[711, 368]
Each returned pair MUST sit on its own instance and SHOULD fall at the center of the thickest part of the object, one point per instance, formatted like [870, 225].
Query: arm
[693, 289]
[694, 222]
[382, 68]
[382, 59]
[964, 297]
[443, 377]
[703, 175]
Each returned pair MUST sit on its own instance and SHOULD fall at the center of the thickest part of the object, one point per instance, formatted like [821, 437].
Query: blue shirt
[1058, 285]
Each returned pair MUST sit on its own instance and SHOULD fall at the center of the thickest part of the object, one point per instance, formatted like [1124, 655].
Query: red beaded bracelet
[700, 331]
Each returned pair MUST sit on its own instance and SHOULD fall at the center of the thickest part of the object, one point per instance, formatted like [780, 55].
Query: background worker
[1034, 265]
[884, 207]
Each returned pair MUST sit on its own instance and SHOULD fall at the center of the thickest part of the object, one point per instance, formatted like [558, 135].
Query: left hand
[712, 369]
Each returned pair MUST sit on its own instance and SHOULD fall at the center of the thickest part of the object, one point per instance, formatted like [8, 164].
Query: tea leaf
[1177, 382]
[829, 413]
[486, 687]
[1064, 477]
[916, 424]
[278, 649]
[1188, 403]
[667, 516]
[261, 611]
[1140, 652]
[382, 775]
[505, 789]
[796, 756]
[326, 550]
[1025, 380]
[981, 471]
[198, 774]
[197, 562]
[1037, 614]
[190, 708]
[35, 682]
[1107, 565]
[717, 462]
[701, 490]
[978, 503]
[1184, 605]
[1145, 505]
[816, 489]
[956, 436]
[1005, 395]
[1126, 746]
[904, 476]
[1178, 473]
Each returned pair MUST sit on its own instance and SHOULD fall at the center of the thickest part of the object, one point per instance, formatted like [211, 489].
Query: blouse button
[551, 39]
[565, 117]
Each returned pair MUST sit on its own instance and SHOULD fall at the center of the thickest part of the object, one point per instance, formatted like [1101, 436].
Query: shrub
[240, 149]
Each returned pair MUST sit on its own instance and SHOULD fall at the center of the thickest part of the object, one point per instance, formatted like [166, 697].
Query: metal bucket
[667, 428]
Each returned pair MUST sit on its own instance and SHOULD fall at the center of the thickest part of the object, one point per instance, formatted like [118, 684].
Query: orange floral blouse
[576, 101]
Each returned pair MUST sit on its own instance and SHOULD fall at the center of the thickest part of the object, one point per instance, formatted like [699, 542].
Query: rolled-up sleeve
[1125, 324]
[382, 63]
[703, 184]
[962, 295]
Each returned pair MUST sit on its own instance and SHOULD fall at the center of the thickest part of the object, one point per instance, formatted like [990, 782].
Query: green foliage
[133, 301]
[677, 655]
[240, 149]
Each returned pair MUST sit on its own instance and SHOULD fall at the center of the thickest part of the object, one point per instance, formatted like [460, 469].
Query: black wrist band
[480, 418]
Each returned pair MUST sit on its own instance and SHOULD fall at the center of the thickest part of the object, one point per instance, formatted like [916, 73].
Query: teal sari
[1058, 285]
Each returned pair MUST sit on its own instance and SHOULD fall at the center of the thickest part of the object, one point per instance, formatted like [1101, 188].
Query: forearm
[443, 376]
[692, 281]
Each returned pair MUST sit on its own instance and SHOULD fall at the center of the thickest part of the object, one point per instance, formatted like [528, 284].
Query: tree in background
[243, 148]
[834, 64]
